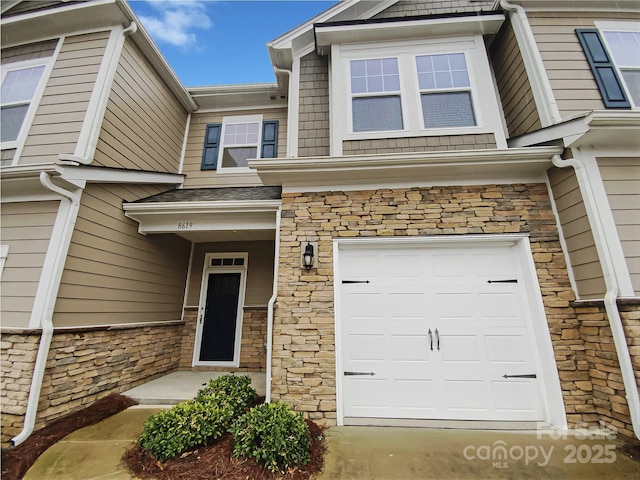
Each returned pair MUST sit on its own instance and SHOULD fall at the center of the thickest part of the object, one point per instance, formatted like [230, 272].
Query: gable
[30, 6]
[412, 8]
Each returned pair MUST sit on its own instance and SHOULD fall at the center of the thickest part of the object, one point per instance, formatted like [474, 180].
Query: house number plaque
[185, 225]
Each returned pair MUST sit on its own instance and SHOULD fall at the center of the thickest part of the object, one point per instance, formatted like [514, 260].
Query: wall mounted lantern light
[307, 257]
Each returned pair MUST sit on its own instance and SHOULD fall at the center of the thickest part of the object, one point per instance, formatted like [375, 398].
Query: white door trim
[208, 269]
[551, 392]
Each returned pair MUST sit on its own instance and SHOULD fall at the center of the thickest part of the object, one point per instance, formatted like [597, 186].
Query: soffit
[405, 29]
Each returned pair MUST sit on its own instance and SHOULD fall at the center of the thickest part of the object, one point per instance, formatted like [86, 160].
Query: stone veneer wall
[84, 364]
[600, 370]
[253, 351]
[303, 352]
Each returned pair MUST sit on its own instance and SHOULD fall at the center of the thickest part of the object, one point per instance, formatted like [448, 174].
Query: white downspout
[540, 85]
[610, 304]
[292, 114]
[272, 301]
[73, 201]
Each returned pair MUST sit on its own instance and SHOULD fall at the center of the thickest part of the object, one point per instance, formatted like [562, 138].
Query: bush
[231, 390]
[189, 424]
[272, 434]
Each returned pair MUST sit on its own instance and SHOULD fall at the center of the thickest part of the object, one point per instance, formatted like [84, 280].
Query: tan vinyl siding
[259, 270]
[143, 126]
[313, 116]
[573, 85]
[621, 177]
[406, 8]
[26, 229]
[29, 6]
[115, 275]
[56, 126]
[31, 51]
[197, 178]
[577, 234]
[419, 144]
[516, 95]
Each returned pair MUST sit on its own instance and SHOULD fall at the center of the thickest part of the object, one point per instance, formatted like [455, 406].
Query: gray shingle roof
[215, 194]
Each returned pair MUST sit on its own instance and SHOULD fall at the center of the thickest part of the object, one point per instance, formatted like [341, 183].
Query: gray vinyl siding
[406, 8]
[313, 116]
[197, 178]
[419, 144]
[56, 126]
[30, 51]
[26, 229]
[576, 230]
[143, 126]
[259, 270]
[571, 79]
[516, 95]
[115, 275]
[621, 177]
[30, 6]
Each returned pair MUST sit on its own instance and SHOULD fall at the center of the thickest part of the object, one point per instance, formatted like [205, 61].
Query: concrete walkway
[371, 453]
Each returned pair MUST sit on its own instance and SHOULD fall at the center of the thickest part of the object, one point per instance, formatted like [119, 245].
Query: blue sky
[218, 42]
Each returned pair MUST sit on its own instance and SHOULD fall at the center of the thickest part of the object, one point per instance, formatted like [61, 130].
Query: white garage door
[436, 333]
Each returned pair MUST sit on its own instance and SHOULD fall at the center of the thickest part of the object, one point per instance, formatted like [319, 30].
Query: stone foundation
[253, 350]
[83, 365]
[303, 353]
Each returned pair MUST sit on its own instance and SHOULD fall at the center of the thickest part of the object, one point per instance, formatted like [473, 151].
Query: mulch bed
[216, 462]
[16, 461]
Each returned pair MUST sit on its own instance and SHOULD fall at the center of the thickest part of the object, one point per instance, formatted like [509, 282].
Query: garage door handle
[437, 340]
[355, 281]
[526, 375]
[503, 281]
[431, 340]
[351, 374]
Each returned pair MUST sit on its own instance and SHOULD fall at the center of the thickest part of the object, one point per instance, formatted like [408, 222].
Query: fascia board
[160, 208]
[327, 35]
[110, 175]
[435, 166]
[620, 129]
[576, 5]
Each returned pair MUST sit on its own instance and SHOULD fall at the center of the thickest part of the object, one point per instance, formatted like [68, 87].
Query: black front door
[220, 317]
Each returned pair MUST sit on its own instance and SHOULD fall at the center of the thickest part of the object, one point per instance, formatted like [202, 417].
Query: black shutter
[269, 139]
[604, 71]
[211, 146]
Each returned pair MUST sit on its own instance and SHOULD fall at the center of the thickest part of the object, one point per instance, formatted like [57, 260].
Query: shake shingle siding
[314, 106]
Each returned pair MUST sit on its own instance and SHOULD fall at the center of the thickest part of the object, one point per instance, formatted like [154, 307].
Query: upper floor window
[20, 82]
[612, 53]
[625, 48]
[230, 144]
[412, 88]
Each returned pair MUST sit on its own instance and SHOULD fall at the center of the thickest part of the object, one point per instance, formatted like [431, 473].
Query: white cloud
[176, 21]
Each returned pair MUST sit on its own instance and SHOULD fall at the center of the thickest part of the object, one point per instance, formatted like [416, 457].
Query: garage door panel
[482, 329]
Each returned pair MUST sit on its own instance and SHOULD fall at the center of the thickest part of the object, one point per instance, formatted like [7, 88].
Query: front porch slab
[182, 385]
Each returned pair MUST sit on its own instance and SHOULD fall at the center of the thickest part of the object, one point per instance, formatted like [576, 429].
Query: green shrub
[189, 424]
[272, 434]
[234, 391]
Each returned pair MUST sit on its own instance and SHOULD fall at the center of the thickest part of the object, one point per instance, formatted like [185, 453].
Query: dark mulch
[16, 461]
[216, 462]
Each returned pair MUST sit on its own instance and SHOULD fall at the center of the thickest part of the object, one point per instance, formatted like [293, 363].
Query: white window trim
[209, 268]
[234, 120]
[613, 26]
[4, 253]
[485, 103]
[48, 63]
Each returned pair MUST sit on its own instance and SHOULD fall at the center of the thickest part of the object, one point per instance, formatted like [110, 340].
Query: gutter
[541, 87]
[70, 201]
[271, 304]
[610, 298]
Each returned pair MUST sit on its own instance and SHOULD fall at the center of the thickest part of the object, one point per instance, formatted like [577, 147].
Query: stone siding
[419, 144]
[599, 373]
[304, 331]
[313, 136]
[253, 352]
[83, 365]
